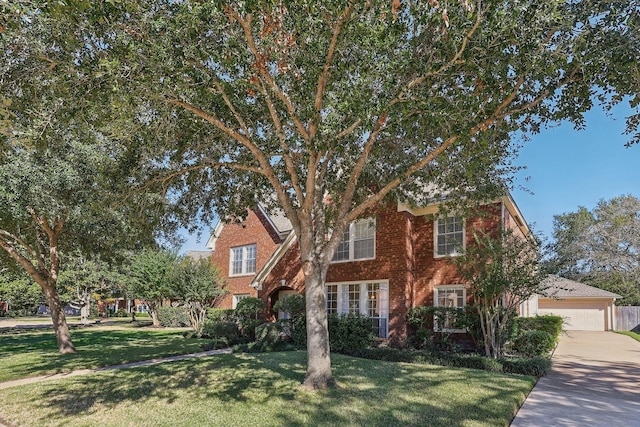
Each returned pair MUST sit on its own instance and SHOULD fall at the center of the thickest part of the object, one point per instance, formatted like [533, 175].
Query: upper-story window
[449, 236]
[243, 260]
[358, 241]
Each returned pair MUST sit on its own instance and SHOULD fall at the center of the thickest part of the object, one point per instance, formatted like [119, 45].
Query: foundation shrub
[350, 333]
[173, 317]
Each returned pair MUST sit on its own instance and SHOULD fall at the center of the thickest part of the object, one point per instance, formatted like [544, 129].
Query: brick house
[397, 259]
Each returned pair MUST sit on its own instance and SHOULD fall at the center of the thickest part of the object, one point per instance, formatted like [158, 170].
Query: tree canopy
[325, 109]
[601, 246]
[63, 171]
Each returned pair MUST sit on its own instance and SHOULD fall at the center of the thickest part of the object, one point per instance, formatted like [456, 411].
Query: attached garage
[583, 307]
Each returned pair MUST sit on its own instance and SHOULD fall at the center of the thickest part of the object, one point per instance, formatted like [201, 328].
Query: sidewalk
[594, 382]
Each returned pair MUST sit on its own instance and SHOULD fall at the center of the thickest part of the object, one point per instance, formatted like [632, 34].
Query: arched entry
[275, 296]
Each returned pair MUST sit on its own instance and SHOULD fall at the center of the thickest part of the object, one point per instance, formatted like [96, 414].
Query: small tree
[21, 294]
[502, 271]
[197, 284]
[84, 280]
[152, 276]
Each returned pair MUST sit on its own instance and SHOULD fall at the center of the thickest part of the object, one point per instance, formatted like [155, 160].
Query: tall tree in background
[335, 107]
[84, 281]
[62, 180]
[153, 278]
[197, 284]
[22, 295]
[601, 247]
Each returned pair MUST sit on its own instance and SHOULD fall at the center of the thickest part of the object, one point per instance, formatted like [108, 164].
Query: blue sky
[565, 169]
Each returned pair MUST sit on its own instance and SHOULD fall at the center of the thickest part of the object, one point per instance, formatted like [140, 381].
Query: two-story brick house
[398, 259]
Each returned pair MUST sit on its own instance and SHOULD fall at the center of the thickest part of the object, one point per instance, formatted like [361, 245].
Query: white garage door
[588, 316]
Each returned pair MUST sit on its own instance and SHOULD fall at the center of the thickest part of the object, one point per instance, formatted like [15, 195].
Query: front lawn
[28, 353]
[263, 390]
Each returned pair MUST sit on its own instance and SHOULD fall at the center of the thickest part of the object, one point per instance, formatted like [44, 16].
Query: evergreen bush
[534, 343]
[173, 317]
[350, 333]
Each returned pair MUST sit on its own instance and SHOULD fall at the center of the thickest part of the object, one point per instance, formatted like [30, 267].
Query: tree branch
[323, 79]
[262, 70]
[25, 262]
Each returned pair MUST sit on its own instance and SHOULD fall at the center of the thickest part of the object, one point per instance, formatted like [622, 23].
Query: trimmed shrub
[534, 343]
[421, 323]
[228, 330]
[220, 314]
[350, 333]
[296, 326]
[174, 317]
[246, 313]
[215, 344]
[269, 337]
[550, 324]
[268, 333]
[535, 367]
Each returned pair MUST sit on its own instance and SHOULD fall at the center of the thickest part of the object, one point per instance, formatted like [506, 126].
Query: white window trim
[237, 298]
[352, 238]
[343, 306]
[435, 304]
[244, 261]
[435, 238]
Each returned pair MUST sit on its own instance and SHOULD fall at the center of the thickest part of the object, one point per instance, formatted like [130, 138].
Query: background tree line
[600, 247]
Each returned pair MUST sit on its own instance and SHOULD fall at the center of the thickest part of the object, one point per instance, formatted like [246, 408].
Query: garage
[583, 307]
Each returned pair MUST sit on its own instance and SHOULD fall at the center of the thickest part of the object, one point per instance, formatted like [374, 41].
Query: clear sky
[565, 169]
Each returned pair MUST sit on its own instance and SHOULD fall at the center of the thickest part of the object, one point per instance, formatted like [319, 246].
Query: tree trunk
[319, 376]
[65, 346]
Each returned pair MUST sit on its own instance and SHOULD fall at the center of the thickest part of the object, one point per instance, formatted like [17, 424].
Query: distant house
[386, 264]
[583, 307]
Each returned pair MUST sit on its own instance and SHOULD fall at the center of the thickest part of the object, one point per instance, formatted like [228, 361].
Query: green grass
[263, 390]
[634, 335]
[28, 353]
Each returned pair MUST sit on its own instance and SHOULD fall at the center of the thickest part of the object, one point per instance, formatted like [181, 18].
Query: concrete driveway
[595, 381]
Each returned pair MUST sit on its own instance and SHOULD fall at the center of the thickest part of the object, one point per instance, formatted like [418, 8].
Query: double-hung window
[243, 260]
[370, 299]
[451, 298]
[358, 241]
[449, 236]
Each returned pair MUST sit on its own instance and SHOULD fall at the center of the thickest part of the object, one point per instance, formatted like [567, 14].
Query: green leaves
[600, 246]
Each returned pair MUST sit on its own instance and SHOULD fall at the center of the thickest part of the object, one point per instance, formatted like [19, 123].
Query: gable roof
[559, 287]
[278, 220]
[275, 218]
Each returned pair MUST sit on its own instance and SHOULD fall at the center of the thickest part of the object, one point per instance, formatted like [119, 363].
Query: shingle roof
[280, 220]
[559, 287]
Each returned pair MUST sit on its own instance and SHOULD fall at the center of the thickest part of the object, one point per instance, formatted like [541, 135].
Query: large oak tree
[326, 109]
[63, 174]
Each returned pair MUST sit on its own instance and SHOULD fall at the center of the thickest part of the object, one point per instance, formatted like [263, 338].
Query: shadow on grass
[36, 353]
[238, 385]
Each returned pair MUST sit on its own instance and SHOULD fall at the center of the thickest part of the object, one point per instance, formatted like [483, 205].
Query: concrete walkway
[595, 381]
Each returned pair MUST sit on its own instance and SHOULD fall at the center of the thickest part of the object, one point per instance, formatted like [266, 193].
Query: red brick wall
[404, 258]
[254, 230]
